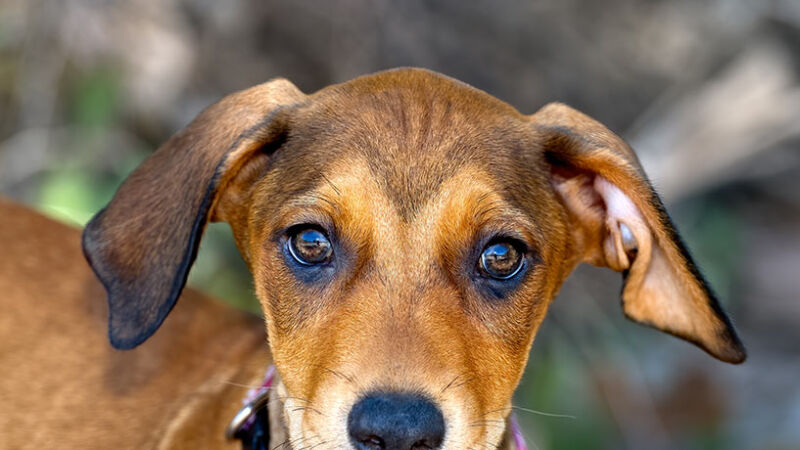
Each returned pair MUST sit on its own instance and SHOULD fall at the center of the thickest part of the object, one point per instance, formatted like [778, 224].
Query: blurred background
[707, 92]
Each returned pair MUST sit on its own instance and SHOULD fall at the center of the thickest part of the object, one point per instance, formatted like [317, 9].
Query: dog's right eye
[310, 246]
[501, 260]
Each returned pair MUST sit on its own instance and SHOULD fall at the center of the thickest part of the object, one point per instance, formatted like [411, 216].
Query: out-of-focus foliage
[707, 92]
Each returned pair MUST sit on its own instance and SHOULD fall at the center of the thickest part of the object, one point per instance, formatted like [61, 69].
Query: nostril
[421, 445]
[395, 421]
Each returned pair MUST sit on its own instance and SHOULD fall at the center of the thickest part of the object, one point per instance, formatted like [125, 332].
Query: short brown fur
[63, 386]
[410, 173]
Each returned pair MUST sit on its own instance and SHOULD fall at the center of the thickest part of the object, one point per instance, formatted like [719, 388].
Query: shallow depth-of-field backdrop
[708, 93]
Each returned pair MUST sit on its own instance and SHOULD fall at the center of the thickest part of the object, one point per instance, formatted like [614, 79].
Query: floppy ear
[618, 221]
[142, 244]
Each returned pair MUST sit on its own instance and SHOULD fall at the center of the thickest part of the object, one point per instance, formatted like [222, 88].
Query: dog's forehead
[412, 83]
[415, 129]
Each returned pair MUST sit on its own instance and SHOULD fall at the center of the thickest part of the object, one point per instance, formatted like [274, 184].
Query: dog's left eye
[310, 246]
[501, 260]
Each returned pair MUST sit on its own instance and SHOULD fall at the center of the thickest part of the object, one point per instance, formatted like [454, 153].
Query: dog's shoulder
[60, 370]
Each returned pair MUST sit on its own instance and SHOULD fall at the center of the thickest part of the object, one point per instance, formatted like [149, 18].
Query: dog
[406, 234]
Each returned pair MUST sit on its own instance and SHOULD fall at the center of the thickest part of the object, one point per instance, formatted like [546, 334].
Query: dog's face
[406, 234]
[407, 246]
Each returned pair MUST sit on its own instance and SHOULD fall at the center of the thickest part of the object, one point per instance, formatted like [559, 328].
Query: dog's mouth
[379, 420]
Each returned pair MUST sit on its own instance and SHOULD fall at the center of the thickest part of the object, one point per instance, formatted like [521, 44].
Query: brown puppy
[406, 234]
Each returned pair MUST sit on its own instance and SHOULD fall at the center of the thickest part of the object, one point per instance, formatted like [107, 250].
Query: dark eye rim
[517, 244]
[293, 231]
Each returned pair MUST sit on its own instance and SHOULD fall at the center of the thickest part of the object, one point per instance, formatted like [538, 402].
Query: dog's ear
[618, 221]
[143, 243]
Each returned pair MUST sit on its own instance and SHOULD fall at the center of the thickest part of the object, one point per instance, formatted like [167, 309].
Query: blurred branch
[710, 134]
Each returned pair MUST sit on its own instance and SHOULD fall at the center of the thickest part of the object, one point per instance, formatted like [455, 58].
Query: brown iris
[501, 260]
[310, 246]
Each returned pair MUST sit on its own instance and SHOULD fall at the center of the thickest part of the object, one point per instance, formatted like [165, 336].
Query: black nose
[395, 421]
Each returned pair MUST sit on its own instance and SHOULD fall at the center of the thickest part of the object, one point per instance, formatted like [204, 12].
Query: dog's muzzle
[379, 421]
[395, 421]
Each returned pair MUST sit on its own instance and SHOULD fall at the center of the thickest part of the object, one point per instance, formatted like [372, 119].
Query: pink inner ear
[654, 293]
[627, 234]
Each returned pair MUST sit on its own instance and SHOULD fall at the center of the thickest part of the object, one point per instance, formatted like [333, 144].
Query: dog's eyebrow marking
[333, 186]
[486, 207]
[314, 202]
[321, 197]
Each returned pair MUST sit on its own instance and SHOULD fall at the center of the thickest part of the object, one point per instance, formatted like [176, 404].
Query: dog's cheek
[280, 300]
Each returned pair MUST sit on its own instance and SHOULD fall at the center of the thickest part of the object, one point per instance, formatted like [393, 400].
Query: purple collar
[255, 400]
[516, 434]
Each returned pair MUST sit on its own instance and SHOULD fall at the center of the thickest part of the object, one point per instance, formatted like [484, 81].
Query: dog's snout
[395, 421]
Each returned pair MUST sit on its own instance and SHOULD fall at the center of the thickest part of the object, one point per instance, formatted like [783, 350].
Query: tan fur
[63, 386]
[411, 173]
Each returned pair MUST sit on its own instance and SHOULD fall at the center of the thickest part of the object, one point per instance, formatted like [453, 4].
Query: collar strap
[251, 423]
[516, 434]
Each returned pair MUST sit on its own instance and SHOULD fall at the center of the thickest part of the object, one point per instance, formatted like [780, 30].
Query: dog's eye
[310, 246]
[501, 260]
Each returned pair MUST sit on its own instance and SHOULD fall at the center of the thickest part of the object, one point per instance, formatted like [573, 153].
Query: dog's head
[406, 234]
